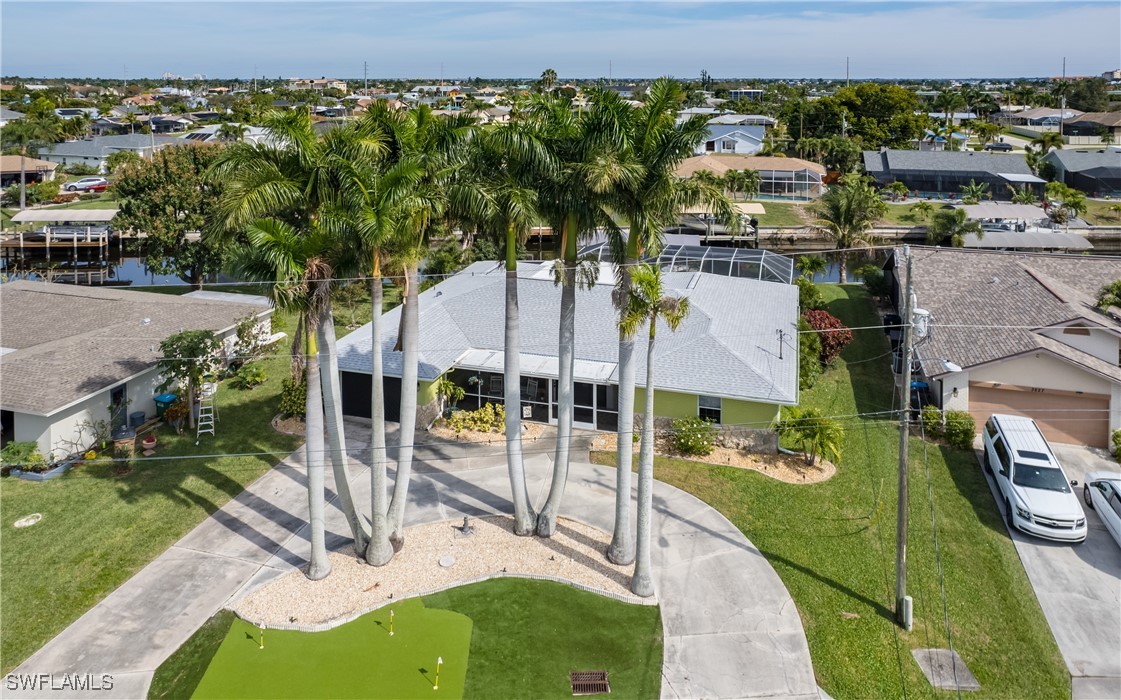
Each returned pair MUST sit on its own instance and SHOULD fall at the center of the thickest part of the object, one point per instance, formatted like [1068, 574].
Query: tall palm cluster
[365, 199]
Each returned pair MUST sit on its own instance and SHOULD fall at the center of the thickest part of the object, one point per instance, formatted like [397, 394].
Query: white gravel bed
[575, 554]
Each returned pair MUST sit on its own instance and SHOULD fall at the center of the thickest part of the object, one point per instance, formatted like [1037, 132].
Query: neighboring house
[1093, 124]
[95, 151]
[745, 94]
[35, 170]
[745, 140]
[734, 359]
[169, 123]
[71, 112]
[945, 172]
[786, 177]
[72, 354]
[624, 91]
[1025, 331]
[955, 117]
[318, 84]
[9, 115]
[492, 115]
[209, 134]
[1044, 116]
[741, 120]
[1094, 171]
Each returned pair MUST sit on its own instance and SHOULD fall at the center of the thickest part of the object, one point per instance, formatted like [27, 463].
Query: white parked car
[1038, 497]
[1103, 494]
[88, 184]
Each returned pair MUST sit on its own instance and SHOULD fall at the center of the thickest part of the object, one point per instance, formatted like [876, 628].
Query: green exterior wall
[425, 393]
[672, 404]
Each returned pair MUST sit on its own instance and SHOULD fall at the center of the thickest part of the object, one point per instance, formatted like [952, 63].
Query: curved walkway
[731, 629]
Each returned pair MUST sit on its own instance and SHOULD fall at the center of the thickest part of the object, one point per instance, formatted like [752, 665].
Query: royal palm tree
[648, 303]
[432, 146]
[947, 102]
[294, 262]
[308, 183]
[27, 136]
[1048, 140]
[954, 225]
[651, 202]
[593, 163]
[548, 79]
[846, 213]
[505, 163]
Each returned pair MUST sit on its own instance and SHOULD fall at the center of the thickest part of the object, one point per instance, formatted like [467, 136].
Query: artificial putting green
[524, 638]
[356, 660]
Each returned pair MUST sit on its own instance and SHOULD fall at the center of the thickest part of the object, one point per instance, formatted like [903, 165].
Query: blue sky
[772, 39]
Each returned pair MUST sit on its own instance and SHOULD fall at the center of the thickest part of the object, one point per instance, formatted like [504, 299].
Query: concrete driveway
[1079, 587]
[731, 629]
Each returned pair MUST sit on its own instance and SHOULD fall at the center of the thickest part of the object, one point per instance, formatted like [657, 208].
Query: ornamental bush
[489, 418]
[809, 296]
[932, 420]
[694, 436]
[249, 376]
[833, 334]
[809, 355]
[293, 398]
[23, 455]
[960, 429]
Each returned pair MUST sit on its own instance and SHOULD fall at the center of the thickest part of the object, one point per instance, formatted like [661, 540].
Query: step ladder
[208, 411]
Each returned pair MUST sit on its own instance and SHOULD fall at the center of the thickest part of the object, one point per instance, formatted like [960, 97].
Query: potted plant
[175, 414]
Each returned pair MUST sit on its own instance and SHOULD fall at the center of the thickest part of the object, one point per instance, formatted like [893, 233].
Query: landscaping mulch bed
[790, 468]
[292, 425]
[530, 433]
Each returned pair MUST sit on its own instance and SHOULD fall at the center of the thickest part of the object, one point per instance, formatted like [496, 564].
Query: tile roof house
[1025, 330]
[1096, 171]
[735, 355]
[945, 172]
[68, 353]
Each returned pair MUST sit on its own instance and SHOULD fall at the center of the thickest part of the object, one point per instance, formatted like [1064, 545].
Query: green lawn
[833, 544]
[787, 214]
[507, 638]
[1099, 214]
[101, 202]
[99, 529]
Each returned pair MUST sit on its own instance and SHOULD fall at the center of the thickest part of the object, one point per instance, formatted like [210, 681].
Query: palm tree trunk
[379, 551]
[22, 180]
[411, 326]
[843, 262]
[621, 550]
[547, 520]
[525, 519]
[318, 566]
[643, 582]
[336, 437]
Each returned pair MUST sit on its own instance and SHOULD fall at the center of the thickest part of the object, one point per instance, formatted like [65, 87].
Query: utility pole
[903, 603]
[365, 79]
[846, 71]
[254, 78]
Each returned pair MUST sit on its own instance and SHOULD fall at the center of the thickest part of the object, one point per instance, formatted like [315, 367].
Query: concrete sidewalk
[731, 629]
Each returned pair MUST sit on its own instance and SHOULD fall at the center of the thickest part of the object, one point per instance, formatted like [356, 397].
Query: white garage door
[1066, 417]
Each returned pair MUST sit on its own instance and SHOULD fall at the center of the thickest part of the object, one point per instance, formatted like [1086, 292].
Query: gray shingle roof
[100, 146]
[900, 161]
[728, 346]
[68, 342]
[1076, 161]
[989, 305]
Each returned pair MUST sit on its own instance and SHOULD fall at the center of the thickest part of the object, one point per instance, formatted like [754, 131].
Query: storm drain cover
[589, 682]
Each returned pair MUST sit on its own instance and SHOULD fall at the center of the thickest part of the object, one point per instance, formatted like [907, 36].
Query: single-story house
[95, 151]
[1095, 171]
[209, 134]
[787, 177]
[955, 117]
[1044, 116]
[72, 354]
[1093, 124]
[745, 140]
[734, 359]
[745, 94]
[742, 120]
[35, 170]
[1025, 331]
[72, 112]
[9, 115]
[945, 172]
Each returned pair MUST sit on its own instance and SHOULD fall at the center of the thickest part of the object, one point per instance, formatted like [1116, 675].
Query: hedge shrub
[833, 334]
[293, 398]
[960, 429]
[694, 436]
[809, 355]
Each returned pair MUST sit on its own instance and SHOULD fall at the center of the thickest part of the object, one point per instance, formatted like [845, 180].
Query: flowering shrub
[834, 334]
[693, 436]
[489, 418]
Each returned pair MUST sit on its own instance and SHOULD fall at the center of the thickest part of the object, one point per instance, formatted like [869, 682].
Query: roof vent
[994, 280]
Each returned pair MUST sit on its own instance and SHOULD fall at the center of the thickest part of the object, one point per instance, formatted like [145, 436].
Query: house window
[708, 407]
